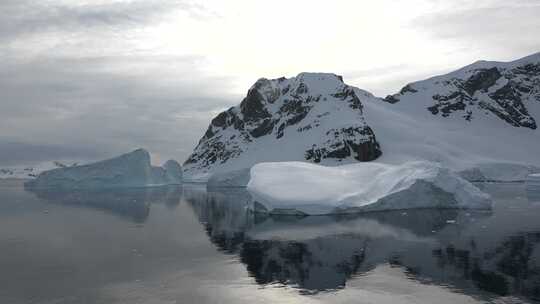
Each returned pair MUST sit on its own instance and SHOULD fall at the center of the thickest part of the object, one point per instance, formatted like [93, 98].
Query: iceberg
[533, 183]
[173, 171]
[309, 189]
[229, 179]
[498, 172]
[128, 170]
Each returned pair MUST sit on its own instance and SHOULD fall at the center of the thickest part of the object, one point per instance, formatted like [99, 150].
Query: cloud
[13, 153]
[110, 104]
[72, 86]
[96, 78]
[19, 18]
[496, 29]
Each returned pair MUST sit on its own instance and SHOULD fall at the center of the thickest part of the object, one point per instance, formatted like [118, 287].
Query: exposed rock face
[505, 90]
[478, 114]
[311, 117]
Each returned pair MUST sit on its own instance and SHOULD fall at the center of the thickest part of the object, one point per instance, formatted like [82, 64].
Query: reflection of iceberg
[133, 203]
[223, 214]
[444, 247]
[314, 190]
[312, 253]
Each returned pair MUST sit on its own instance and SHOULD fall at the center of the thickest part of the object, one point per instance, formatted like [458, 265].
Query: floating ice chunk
[533, 187]
[173, 170]
[303, 188]
[128, 170]
[498, 172]
[235, 178]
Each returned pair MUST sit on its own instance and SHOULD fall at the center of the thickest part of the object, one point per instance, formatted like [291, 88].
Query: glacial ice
[235, 178]
[128, 170]
[303, 188]
[173, 171]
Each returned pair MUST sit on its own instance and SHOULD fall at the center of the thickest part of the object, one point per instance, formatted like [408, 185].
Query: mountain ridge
[453, 116]
[317, 111]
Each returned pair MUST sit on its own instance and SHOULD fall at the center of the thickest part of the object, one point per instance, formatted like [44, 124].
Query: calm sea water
[187, 245]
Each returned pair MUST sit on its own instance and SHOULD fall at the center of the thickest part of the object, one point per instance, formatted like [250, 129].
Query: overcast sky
[87, 79]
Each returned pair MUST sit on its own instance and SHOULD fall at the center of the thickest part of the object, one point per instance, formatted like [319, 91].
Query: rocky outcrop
[500, 89]
[312, 117]
[480, 113]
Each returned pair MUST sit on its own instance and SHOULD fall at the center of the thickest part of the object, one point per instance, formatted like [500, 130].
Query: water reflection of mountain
[444, 247]
[512, 267]
[130, 203]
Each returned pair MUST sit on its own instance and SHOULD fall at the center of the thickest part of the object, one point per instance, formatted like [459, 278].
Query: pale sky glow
[98, 78]
[250, 40]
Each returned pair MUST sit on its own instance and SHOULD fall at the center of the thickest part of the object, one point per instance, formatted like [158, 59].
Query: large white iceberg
[128, 170]
[303, 188]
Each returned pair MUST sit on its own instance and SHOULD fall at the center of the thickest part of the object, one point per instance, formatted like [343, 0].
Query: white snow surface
[327, 114]
[128, 170]
[299, 187]
[484, 148]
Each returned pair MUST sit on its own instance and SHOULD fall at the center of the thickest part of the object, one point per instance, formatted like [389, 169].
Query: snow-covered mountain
[312, 117]
[480, 120]
[29, 172]
[509, 91]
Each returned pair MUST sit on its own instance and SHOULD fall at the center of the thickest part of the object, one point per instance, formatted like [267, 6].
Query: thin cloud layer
[90, 79]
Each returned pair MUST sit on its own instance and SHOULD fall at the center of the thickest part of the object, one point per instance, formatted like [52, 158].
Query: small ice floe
[533, 188]
[533, 182]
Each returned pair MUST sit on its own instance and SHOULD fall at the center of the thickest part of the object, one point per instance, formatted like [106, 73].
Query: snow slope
[313, 116]
[30, 172]
[480, 120]
[128, 170]
[371, 186]
[472, 133]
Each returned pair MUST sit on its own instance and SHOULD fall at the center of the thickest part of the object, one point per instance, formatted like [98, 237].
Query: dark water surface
[184, 245]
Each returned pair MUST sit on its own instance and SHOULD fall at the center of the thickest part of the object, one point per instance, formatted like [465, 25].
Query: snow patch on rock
[303, 188]
[312, 117]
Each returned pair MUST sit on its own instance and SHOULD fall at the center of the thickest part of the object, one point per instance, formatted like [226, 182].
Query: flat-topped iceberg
[303, 188]
[128, 170]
